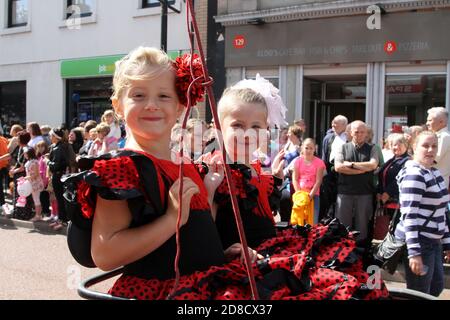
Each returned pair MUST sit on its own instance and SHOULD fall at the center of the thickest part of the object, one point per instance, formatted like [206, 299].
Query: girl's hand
[189, 189]
[215, 174]
[416, 265]
[235, 250]
[278, 164]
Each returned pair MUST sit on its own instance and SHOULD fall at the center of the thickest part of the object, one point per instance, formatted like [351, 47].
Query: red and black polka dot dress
[257, 196]
[304, 263]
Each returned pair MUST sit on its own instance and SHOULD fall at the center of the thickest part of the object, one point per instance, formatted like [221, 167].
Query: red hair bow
[189, 71]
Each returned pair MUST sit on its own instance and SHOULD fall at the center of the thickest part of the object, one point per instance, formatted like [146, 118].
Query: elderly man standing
[332, 142]
[355, 165]
[437, 122]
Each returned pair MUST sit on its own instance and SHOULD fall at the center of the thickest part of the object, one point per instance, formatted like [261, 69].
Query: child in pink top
[308, 174]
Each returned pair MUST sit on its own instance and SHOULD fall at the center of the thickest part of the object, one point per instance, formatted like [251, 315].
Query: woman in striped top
[424, 197]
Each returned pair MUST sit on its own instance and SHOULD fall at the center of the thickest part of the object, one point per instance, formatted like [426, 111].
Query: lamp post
[164, 9]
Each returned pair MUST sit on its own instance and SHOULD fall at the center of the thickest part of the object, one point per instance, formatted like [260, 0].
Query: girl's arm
[12, 145]
[114, 244]
[295, 175]
[6, 156]
[319, 178]
[213, 180]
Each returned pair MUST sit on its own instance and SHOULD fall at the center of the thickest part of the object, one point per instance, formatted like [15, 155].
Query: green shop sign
[97, 66]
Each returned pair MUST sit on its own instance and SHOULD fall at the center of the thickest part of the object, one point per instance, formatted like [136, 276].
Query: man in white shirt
[437, 122]
[339, 126]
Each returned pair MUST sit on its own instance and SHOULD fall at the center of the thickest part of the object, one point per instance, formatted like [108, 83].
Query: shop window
[408, 97]
[87, 99]
[17, 13]
[83, 8]
[154, 3]
[345, 91]
[12, 104]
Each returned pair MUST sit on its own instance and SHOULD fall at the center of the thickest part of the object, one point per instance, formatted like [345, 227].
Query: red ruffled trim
[85, 201]
[170, 171]
[263, 182]
[117, 173]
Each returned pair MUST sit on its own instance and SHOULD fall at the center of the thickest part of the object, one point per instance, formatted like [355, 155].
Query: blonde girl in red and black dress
[134, 192]
[131, 199]
[243, 118]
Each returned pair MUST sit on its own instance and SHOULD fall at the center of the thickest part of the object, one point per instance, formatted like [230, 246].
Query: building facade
[384, 62]
[57, 56]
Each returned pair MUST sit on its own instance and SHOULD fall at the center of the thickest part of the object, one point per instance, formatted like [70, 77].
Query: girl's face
[150, 107]
[72, 136]
[93, 134]
[426, 150]
[101, 135]
[109, 118]
[308, 149]
[244, 128]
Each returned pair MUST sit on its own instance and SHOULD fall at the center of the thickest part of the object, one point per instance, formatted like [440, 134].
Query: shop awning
[97, 66]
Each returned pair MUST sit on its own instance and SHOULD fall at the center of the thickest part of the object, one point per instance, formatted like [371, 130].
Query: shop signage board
[405, 36]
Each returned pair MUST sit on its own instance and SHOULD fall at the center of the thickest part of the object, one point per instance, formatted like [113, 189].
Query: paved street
[37, 265]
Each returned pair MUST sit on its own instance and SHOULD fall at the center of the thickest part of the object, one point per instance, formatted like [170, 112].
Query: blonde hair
[142, 63]
[309, 140]
[41, 145]
[45, 129]
[103, 128]
[112, 114]
[16, 128]
[423, 134]
[231, 96]
[394, 138]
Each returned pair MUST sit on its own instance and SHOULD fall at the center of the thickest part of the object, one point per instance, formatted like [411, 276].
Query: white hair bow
[276, 108]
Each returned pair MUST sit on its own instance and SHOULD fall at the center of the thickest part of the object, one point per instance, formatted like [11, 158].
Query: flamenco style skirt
[301, 263]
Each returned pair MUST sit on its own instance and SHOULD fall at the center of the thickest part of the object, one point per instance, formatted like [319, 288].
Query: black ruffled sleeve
[130, 177]
[112, 177]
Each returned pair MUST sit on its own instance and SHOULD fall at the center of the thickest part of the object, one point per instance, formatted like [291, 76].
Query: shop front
[387, 77]
[88, 84]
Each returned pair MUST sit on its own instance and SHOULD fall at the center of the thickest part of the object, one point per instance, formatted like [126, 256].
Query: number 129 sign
[239, 42]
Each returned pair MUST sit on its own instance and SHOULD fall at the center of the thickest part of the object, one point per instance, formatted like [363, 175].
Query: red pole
[227, 170]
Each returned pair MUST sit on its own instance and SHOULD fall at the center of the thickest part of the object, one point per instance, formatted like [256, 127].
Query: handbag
[381, 222]
[388, 253]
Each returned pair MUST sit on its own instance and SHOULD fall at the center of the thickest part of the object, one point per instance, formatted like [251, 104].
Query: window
[345, 90]
[154, 3]
[12, 103]
[17, 13]
[408, 97]
[85, 8]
